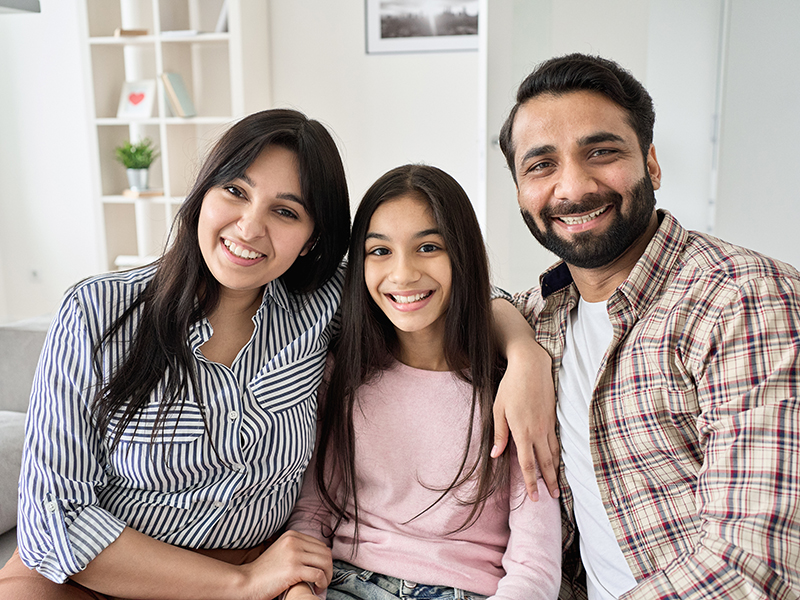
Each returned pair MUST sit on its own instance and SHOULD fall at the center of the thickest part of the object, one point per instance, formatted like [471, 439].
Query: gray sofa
[20, 346]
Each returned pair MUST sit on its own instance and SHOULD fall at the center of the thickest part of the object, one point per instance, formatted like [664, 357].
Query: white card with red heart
[137, 99]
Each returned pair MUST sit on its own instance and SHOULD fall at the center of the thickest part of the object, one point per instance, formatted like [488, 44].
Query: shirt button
[232, 416]
[51, 506]
[217, 504]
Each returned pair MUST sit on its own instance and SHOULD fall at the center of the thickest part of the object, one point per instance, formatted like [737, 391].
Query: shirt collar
[648, 275]
[275, 291]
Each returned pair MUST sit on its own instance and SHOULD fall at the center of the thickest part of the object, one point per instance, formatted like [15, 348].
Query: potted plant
[137, 158]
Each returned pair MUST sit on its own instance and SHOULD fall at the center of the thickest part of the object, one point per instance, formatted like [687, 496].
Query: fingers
[292, 558]
[547, 458]
[500, 431]
[527, 464]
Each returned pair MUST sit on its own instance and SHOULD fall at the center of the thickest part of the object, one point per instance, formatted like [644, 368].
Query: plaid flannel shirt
[694, 419]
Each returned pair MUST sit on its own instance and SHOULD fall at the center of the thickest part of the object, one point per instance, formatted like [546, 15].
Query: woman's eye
[285, 212]
[233, 190]
[379, 251]
[429, 248]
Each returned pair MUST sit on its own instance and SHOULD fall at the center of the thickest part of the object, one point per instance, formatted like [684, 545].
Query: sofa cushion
[12, 433]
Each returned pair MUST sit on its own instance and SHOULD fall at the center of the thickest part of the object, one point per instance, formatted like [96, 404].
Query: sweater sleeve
[532, 560]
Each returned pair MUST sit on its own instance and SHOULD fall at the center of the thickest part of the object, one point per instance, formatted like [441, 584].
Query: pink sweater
[410, 433]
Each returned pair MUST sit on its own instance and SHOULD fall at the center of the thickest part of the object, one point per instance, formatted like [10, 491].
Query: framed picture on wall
[421, 25]
[137, 99]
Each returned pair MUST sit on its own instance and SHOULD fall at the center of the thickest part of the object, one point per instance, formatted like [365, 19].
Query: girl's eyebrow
[380, 236]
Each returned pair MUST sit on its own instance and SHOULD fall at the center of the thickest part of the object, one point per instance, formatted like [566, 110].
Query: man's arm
[748, 489]
[525, 401]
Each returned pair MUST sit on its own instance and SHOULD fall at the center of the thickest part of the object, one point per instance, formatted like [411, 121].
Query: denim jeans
[351, 583]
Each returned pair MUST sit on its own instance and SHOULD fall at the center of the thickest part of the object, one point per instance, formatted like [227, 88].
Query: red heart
[135, 98]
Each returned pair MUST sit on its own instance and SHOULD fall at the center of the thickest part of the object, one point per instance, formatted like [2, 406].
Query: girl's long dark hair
[368, 342]
[183, 289]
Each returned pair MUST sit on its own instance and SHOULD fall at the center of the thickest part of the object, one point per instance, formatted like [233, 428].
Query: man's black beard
[588, 250]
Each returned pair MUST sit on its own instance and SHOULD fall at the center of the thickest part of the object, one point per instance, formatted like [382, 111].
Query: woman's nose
[252, 224]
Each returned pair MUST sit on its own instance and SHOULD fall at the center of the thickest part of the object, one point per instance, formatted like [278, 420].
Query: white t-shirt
[589, 332]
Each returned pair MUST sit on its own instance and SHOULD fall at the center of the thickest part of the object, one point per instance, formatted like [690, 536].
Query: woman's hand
[293, 558]
[525, 401]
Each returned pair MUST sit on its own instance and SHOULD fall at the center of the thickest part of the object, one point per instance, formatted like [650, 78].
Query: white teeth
[241, 252]
[410, 299]
[584, 218]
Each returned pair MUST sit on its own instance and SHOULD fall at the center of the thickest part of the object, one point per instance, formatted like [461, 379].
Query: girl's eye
[429, 247]
[378, 251]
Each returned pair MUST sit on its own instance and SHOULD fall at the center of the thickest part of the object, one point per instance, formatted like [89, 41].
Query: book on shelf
[179, 99]
[120, 32]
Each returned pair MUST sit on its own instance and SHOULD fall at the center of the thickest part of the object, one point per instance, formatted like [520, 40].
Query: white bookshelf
[226, 73]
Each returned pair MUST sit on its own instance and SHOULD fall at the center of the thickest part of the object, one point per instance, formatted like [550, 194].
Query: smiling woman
[173, 411]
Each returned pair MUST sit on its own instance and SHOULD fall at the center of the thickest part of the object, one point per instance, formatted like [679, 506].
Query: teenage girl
[405, 491]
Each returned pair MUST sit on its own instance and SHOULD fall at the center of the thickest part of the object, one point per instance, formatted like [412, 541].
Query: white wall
[47, 225]
[759, 199]
[385, 109]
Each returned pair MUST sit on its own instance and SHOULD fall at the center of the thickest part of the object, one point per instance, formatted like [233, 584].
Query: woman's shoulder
[114, 290]
[325, 297]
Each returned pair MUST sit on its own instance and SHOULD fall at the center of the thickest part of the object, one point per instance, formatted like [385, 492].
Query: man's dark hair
[576, 72]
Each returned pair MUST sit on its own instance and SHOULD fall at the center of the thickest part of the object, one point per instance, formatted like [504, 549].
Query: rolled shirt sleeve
[61, 527]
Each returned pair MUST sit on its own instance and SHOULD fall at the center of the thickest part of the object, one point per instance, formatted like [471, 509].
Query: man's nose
[574, 182]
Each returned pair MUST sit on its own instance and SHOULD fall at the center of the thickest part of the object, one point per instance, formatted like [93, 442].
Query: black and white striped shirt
[76, 496]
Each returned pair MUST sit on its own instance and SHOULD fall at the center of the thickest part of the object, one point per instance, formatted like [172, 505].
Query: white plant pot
[137, 179]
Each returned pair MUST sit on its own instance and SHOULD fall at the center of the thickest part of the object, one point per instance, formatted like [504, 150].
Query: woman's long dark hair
[368, 342]
[183, 289]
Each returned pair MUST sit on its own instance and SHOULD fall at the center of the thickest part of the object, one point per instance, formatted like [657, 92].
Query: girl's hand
[525, 400]
[293, 558]
[300, 591]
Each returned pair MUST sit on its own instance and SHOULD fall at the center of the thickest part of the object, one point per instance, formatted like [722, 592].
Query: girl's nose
[404, 270]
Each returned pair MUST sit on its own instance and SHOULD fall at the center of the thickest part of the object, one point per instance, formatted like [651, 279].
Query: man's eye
[540, 166]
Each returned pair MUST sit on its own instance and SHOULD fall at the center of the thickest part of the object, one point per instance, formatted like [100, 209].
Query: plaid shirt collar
[644, 283]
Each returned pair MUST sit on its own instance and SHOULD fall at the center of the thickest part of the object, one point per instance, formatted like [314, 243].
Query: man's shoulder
[707, 255]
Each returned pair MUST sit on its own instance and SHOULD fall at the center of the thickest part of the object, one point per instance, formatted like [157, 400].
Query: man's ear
[653, 168]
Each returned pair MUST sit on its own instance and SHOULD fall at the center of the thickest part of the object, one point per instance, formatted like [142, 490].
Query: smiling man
[675, 355]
